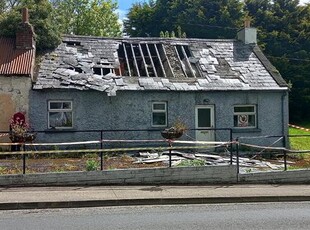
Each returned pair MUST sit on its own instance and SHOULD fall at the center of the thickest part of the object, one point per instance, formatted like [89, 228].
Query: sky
[124, 5]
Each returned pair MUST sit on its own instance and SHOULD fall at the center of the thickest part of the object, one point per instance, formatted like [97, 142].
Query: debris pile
[246, 164]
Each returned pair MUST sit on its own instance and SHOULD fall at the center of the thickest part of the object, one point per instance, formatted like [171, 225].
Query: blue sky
[124, 6]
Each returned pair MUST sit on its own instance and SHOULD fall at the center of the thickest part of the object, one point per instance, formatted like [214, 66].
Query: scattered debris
[177, 157]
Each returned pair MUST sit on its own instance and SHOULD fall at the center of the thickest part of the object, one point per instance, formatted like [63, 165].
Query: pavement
[12, 198]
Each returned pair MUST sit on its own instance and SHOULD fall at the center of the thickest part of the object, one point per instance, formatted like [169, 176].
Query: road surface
[213, 216]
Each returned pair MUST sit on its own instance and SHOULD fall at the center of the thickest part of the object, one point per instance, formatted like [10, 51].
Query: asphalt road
[213, 216]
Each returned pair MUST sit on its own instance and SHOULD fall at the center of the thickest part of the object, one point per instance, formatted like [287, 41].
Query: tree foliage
[47, 33]
[88, 17]
[51, 19]
[197, 18]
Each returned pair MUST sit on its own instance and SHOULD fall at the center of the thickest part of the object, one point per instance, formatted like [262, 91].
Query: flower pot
[26, 137]
[171, 134]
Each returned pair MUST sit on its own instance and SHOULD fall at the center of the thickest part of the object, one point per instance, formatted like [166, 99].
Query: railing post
[101, 153]
[285, 160]
[237, 152]
[231, 147]
[24, 159]
[170, 145]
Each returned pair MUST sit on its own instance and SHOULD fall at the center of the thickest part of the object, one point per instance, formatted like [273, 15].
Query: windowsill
[246, 130]
[60, 130]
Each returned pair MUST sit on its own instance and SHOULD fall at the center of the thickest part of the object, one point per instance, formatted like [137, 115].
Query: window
[60, 114]
[245, 116]
[159, 114]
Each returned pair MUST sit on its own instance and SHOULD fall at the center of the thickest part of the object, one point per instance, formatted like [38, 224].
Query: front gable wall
[132, 110]
[112, 84]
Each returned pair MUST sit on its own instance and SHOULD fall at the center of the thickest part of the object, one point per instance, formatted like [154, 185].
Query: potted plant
[175, 131]
[19, 129]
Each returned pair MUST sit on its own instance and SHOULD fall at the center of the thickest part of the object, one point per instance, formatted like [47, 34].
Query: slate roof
[216, 65]
[15, 61]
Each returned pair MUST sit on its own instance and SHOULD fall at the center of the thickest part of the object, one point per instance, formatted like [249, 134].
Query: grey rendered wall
[94, 110]
[180, 175]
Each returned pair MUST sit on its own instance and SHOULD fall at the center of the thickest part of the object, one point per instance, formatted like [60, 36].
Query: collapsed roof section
[109, 65]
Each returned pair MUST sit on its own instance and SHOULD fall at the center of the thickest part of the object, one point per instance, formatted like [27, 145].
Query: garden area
[85, 161]
[300, 140]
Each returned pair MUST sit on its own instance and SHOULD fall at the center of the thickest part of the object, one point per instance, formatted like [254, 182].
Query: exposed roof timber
[127, 61]
[135, 59]
[187, 61]
[165, 54]
[161, 64]
[182, 65]
[143, 59]
[152, 62]
[120, 71]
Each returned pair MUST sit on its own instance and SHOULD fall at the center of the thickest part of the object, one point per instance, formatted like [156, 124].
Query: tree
[197, 18]
[140, 21]
[88, 17]
[40, 12]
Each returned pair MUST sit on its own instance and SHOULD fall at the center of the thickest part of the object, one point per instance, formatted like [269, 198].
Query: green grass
[299, 143]
[192, 163]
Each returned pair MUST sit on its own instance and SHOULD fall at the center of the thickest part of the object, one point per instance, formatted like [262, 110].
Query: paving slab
[93, 196]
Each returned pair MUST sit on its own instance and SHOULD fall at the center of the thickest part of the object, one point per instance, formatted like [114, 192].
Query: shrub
[92, 165]
[191, 163]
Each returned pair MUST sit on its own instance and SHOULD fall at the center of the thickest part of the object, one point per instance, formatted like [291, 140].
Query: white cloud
[304, 1]
[121, 13]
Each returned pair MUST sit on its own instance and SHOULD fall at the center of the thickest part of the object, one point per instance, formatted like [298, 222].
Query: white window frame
[245, 115]
[164, 111]
[59, 110]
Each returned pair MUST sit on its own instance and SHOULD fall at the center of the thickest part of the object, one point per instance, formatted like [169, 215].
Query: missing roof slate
[109, 65]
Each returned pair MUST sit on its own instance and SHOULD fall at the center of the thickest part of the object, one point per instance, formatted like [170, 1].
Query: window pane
[60, 119]
[60, 105]
[252, 121]
[244, 121]
[159, 106]
[204, 118]
[243, 109]
[66, 105]
[159, 119]
[55, 105]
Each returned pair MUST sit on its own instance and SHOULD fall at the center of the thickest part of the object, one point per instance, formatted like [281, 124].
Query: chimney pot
[25, 15]
[247, 23]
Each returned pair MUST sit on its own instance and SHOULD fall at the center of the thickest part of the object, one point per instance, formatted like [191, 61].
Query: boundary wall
[278, 177]
[179, 175]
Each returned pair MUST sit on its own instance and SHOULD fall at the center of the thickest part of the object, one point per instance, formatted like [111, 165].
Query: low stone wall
[281, 177]
[179, 175]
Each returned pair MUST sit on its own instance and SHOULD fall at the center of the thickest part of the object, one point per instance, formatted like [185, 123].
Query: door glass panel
[204, 118]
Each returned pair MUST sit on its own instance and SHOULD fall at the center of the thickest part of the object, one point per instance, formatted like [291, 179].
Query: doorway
[204, 120]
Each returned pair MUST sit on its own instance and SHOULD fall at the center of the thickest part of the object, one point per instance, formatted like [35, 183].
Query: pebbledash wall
[94, 110]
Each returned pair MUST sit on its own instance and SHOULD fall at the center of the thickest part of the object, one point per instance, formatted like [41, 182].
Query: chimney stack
[248, 35]
[25, 33]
